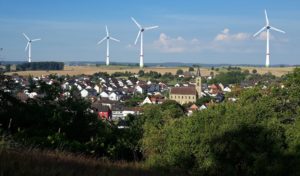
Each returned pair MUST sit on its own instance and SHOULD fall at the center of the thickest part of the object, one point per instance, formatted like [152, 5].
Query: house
[214, 89]
[104, 95]
[84, 93]
[227, 89]
[140, 89]
[114, 97]
[187, 94]
[32, 95]
[117, 112]
[203, 107]
[183, 94]
[147, 101]
[153, 88]
[103, 112]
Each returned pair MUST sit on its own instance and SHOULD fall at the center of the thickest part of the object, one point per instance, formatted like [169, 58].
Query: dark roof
[184, 90]
[99, 108]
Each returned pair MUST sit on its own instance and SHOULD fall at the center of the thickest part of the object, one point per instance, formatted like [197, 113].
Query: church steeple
[198, 73]
[198, 83]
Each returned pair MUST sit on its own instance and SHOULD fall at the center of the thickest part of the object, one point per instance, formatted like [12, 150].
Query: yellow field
[89, 70]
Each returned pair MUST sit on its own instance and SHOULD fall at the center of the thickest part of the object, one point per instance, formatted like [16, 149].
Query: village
[114, 97]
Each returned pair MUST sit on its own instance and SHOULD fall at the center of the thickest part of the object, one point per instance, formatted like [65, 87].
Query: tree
[141, 73]
[203, 100]
[191, 69]
[254, 71]
[179, 72]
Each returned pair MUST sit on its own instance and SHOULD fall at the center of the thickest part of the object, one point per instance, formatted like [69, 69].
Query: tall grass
[51, 163]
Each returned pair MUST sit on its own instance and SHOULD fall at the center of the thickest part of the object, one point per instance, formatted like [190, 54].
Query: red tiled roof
[184, 90]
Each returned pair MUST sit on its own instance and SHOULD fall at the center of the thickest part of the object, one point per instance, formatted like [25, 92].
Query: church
[187, 94]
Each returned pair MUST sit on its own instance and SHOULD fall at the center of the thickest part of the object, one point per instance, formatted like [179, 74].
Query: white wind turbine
[28, 46]
[267, 27]
[141, 33]
[107, 38]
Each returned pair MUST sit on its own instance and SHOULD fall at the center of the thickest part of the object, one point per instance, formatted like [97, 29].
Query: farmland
[89, 70]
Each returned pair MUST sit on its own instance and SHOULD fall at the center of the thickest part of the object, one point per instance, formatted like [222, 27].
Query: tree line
[40, 66]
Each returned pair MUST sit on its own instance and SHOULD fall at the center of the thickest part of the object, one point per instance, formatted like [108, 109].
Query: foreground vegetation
[257, 135]
[49, 163]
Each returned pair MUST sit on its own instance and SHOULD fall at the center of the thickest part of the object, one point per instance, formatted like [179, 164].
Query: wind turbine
[107, 38]
[267, 28]
[28, 46]
[141, 34]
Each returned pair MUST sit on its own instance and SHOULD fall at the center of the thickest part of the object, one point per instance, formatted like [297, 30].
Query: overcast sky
[193, 31]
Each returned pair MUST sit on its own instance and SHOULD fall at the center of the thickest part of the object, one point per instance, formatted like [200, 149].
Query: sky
[193, 31]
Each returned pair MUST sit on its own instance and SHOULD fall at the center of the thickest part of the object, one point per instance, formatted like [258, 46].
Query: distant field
[89, 70]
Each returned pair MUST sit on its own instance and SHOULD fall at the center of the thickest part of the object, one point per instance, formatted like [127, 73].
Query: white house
[121, 84]
[97, 88]
[103, 95]
[66, 94]
[129, 82]
[147, 101]
[110, 89]
[139, 89]
[202, 107]
[65, 86]
[227, 89]
[32, 94]
[113, 96]
[79, 87]
[84, 93]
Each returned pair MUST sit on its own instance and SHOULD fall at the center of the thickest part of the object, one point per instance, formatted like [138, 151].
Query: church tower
[198, 83]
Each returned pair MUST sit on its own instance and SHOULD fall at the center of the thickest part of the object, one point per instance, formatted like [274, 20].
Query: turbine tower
[28, 46]
[107, 38]
[141, 34]
[267, 28]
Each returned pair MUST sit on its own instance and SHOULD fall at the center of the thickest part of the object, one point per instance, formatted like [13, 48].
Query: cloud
[226, 36]
[178, 44]
[263, 36]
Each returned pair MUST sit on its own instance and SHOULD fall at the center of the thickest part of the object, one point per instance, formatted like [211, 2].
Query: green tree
[191, 69]
[179, 72]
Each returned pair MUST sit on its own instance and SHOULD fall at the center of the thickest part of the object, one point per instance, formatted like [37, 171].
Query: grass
[49, 163]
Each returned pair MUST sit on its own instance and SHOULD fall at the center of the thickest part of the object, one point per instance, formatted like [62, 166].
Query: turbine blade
[137, 37]
[138, 25]
[276, 29]
[27, 46]
[107, 33]
[26, 36]
[114, 39]
[262, 29]
[101, 40]
[152, 27]
[35, 40]
[267, 19]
